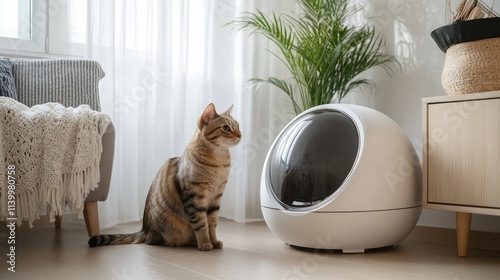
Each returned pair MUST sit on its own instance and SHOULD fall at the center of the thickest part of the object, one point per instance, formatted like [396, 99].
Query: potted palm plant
[323, 52]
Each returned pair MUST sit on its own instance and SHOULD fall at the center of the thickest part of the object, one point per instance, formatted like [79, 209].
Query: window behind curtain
[15, 19]
[67, 27]
[22, 25]
[55, 27]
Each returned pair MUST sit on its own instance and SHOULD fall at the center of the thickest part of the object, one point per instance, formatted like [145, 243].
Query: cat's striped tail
[117, 239]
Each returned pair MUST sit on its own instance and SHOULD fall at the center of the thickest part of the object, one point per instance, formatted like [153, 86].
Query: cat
[182, 205]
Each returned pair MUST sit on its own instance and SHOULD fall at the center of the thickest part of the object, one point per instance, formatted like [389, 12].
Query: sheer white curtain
[164, 62]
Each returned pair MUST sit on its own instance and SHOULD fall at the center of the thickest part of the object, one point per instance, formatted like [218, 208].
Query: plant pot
[472, 50]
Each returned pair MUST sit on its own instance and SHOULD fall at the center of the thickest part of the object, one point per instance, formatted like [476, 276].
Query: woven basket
[472, 67]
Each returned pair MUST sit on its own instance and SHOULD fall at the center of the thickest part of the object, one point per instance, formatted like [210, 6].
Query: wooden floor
[250, 252]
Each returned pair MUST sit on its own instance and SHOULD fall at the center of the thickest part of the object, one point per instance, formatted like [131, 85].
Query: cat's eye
[226, 128]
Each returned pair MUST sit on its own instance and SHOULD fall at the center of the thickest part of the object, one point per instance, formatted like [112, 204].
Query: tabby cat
[183, 202]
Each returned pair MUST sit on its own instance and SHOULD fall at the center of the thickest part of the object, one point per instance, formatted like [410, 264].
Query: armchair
[71, 83]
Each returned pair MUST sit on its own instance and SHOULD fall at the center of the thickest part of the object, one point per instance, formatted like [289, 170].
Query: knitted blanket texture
[55, 153]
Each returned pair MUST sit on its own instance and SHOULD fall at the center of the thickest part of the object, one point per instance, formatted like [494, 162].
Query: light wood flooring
[250, 252]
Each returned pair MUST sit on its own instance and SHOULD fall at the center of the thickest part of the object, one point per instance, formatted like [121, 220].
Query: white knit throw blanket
[55, 152]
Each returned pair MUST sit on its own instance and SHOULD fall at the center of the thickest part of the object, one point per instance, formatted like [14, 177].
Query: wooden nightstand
[461, 157]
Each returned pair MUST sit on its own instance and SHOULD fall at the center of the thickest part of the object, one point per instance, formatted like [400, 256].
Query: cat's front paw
[205, 246]
[218, 244]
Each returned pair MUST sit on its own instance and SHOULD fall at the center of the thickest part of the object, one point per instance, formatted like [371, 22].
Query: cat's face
[220, 130]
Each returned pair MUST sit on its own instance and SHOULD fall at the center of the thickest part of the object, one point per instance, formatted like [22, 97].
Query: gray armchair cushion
[7, 84]
[66, 81]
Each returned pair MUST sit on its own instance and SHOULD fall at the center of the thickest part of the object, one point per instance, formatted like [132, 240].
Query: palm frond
[281, 84]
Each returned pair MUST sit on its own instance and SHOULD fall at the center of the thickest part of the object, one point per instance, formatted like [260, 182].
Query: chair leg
[58, 221]
[91, 216]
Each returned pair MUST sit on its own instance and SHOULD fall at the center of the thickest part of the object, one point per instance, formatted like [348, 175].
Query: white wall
[407, 26]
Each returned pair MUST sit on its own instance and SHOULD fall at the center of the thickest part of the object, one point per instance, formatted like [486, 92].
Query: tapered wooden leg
[91, 215]
[58, 221]
[463, 229]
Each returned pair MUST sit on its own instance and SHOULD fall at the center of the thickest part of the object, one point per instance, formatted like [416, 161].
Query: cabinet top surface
[462, 97]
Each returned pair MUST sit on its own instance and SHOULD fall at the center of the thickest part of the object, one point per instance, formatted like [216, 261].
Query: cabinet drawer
[463, 154]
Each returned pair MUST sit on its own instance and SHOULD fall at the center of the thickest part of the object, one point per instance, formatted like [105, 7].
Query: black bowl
[466, 31]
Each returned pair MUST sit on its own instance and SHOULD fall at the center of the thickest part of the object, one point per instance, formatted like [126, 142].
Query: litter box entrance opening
[312, 158]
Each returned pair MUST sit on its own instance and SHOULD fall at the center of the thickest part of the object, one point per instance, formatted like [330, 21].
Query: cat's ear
[208, 114]
[228, 111]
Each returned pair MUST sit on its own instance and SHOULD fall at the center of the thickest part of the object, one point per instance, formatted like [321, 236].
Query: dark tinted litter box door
[312, 158]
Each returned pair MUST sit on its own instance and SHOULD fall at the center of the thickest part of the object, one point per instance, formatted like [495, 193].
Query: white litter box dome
[343, 177]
